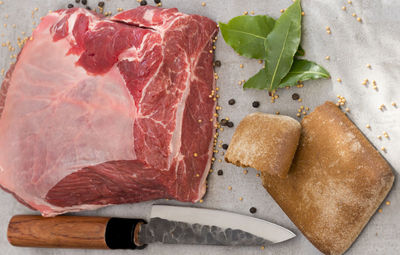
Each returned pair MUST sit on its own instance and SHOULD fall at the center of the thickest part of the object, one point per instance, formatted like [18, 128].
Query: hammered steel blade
[171, 232]
[188, 225]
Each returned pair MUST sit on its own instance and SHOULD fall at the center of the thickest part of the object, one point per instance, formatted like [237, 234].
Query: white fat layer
[176, 140]
[71, 22]
[148, 15]
[69, 77]
[131, 54]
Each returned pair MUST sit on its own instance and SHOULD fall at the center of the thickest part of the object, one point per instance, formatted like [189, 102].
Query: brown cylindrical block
[265, 142]
[58, 232]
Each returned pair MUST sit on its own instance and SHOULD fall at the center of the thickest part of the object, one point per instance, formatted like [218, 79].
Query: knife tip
[289, 236]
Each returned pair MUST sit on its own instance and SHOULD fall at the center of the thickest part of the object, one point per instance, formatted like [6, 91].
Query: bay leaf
[303, 70]
[246, 34]
[257, 81]
[281, 45]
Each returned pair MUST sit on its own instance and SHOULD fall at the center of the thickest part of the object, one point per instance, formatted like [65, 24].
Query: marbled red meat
[106, 111]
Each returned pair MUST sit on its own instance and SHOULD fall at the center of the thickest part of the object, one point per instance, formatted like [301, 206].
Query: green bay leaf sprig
[275, 42]
[281, 45]
[303, 70]
[246, 34]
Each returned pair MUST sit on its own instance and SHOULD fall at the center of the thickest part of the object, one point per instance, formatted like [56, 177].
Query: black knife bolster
[120, 233]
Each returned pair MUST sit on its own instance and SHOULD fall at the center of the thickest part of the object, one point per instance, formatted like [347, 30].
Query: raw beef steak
[108, 111]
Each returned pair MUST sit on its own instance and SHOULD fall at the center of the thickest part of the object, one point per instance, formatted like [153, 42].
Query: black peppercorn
[231, 101]
[88, 8]
[295, 96]
[225, 146]
[253, 210]
[101, 4]
[224, 122]
[217, 63]
[143, 2]
[70, 6]
[256, 104]
[229, 124]
[84, 2]
[157, 1]
[77, 1]
[220, 172]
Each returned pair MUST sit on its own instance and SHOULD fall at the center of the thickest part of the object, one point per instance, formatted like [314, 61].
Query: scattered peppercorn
[295, 96]
[77, 1]
[225, 146]
[101, 4]
[143, 2]
[231, 101]
[217, 63]
[253, 210]
[220, 172]
[157, 1]
[70, 6]
[256, 104]
[84, 2]
[88, 8]
[230, 124]
[224, 122]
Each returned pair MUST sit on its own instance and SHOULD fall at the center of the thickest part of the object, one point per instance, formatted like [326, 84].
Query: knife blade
[188, 225]
[168, 224]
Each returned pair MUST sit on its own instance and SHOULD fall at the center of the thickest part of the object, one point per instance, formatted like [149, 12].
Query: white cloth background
[351, 46]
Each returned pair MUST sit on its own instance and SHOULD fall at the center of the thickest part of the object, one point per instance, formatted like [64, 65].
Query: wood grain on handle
[60, 231]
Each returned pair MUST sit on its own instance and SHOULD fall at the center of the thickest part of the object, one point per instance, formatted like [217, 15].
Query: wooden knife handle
[73, 232]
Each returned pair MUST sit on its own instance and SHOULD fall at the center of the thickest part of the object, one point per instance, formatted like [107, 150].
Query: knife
[168, 224]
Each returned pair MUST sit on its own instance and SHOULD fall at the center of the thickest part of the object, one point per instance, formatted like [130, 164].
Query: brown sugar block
[265, 142]
[336, 182]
